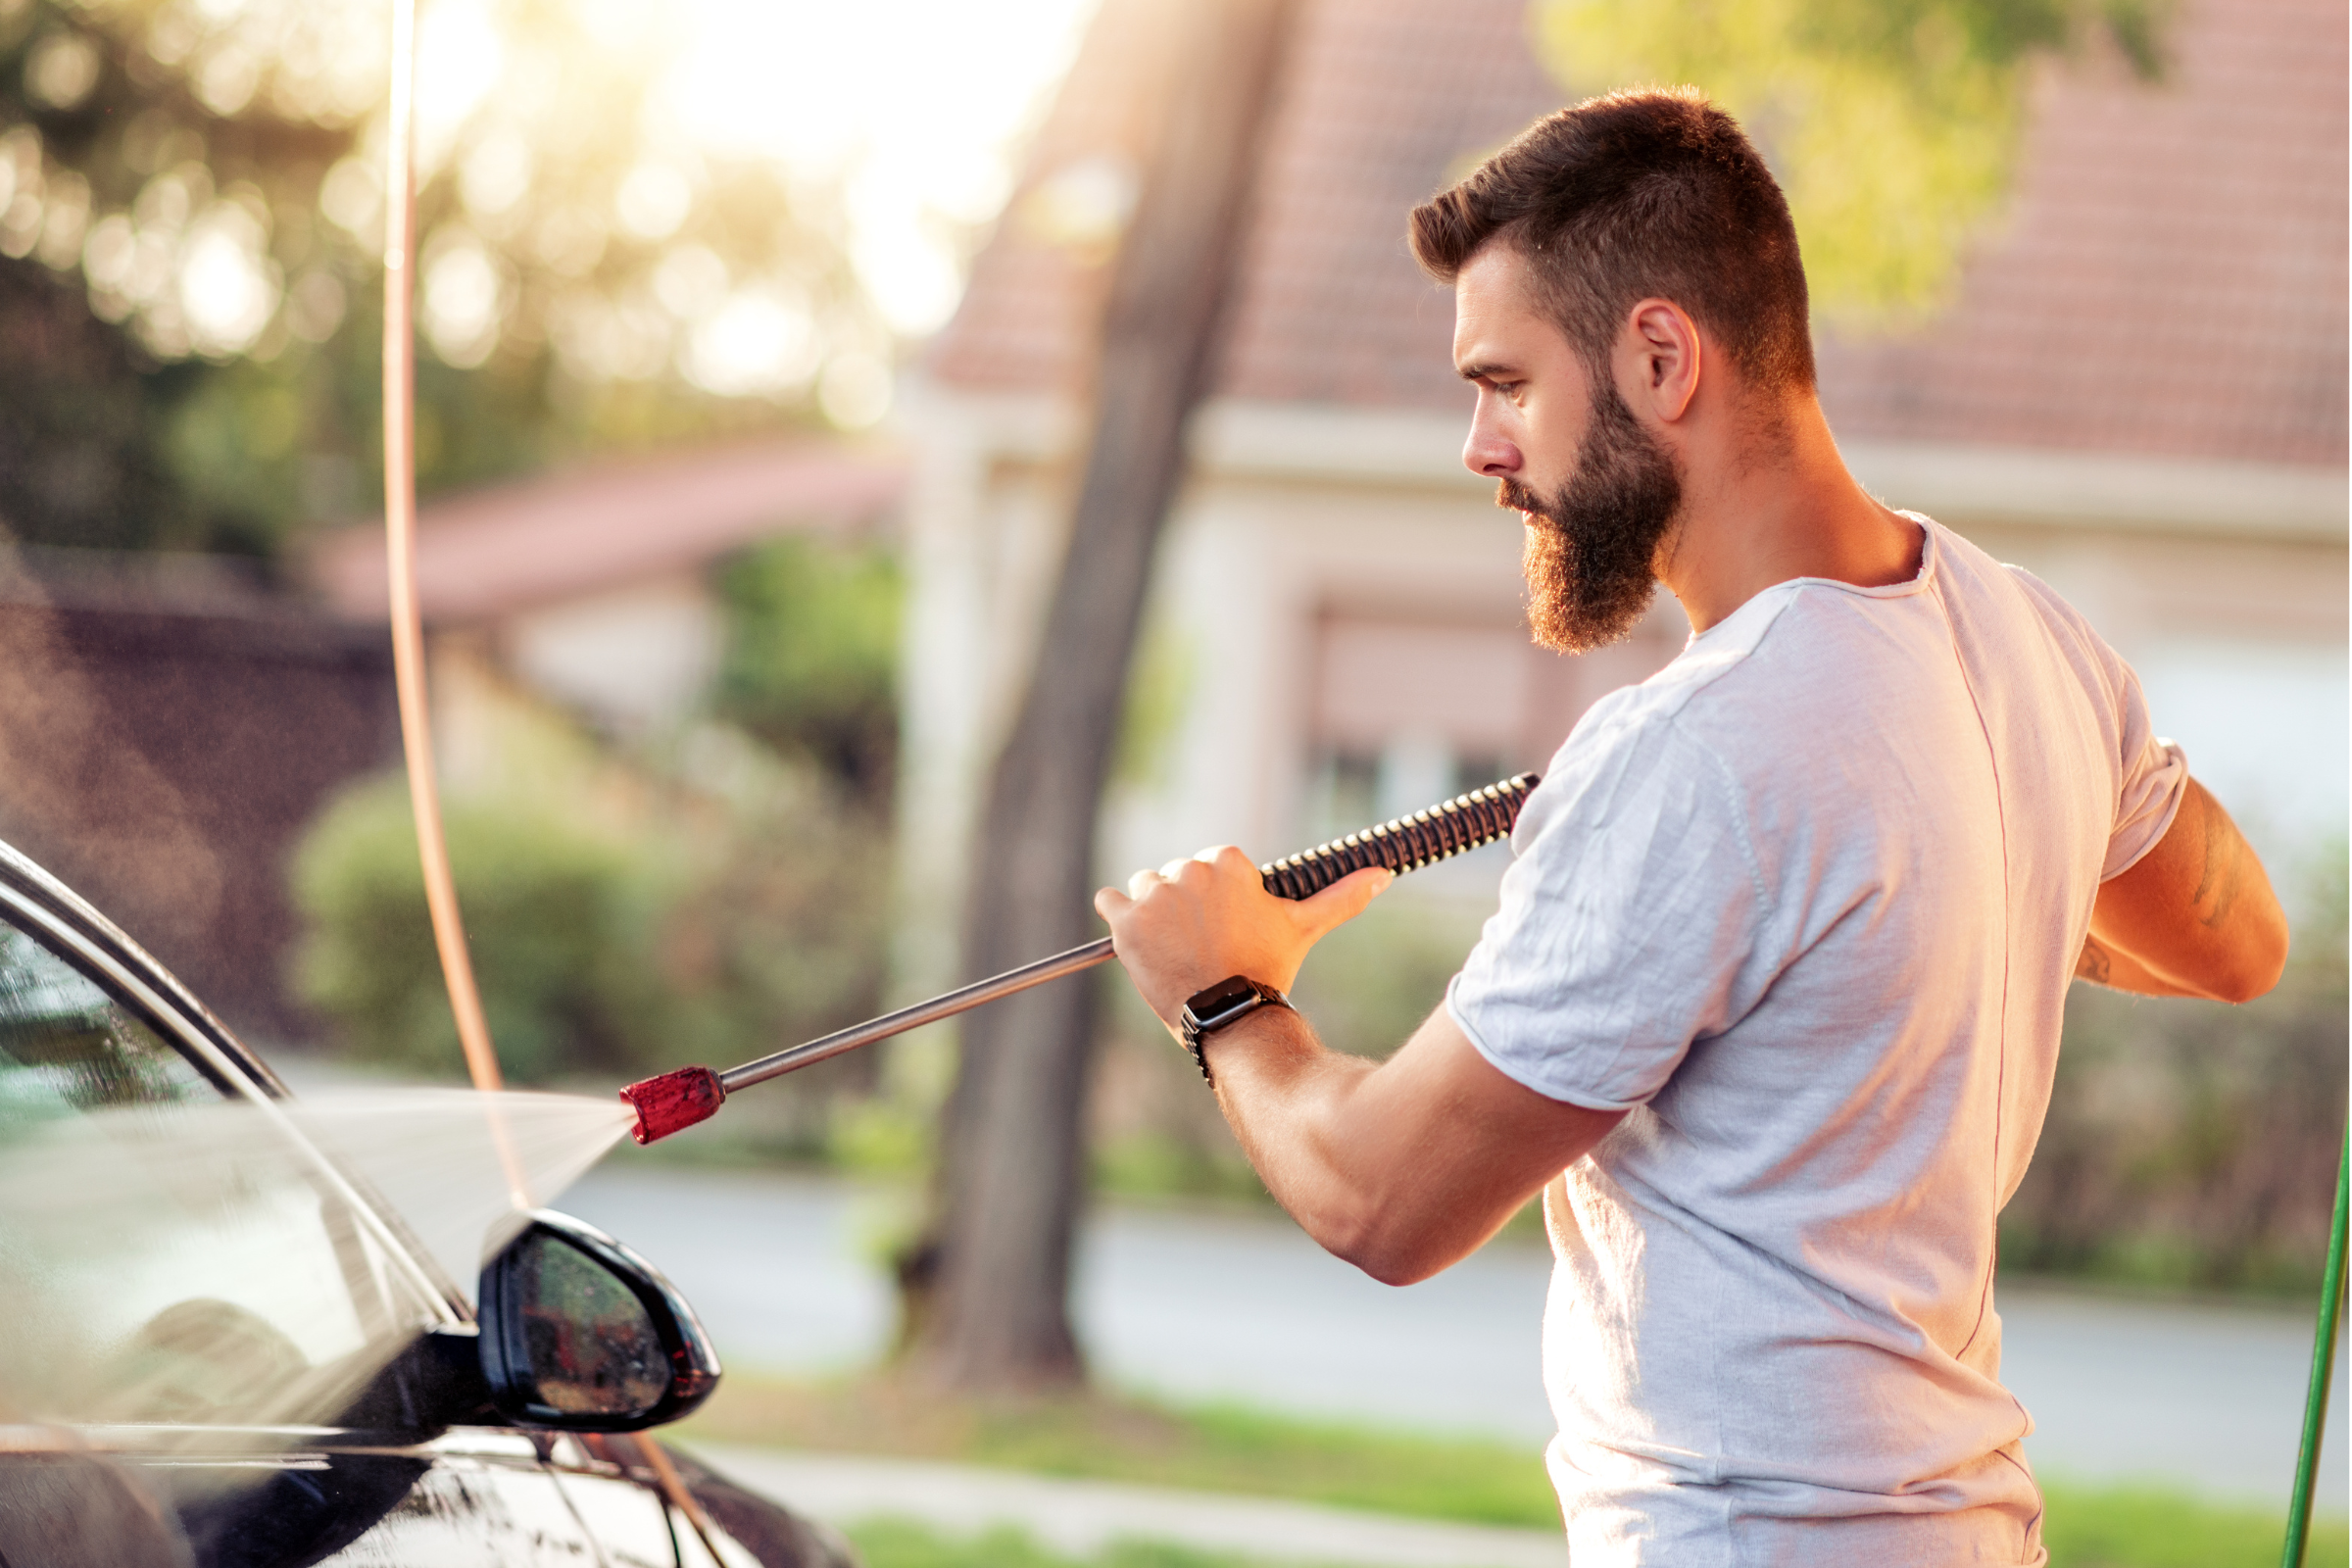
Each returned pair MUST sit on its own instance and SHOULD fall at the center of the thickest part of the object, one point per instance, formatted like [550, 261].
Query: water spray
[688, 1095]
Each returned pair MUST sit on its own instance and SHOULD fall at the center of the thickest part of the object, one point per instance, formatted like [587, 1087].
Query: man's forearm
[1285, 1095]
[1401, 1167]
[2194, 918]
[2103, 963]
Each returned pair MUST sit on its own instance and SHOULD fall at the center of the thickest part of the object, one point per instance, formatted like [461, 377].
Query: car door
[194, 1300]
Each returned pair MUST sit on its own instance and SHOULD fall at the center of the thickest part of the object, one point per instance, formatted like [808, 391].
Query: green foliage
[2146, 1527]
[1113, 1438]
[1892, 124]
[1160, 690]
[880, 1136]
[562, 308]
[117, 172]
[1229, 1449]
[552, 918]
[812, 654]
[81, 457]
[2085, 1528]
[2119, 1529]
[2195, 1143]
[1370, 984]
[1150, 1163]
[773, 932]
[890, 1542]
[672, 927]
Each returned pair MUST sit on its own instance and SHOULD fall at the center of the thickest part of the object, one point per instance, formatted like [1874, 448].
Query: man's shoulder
[1741, 672]
[1693, 676]
[1693, 705]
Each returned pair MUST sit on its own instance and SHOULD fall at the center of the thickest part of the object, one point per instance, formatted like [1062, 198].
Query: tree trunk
[987, 1295]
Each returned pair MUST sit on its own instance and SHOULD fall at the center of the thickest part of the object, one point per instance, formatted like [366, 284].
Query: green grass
[1221, 1449]
[2139, 1527]
[1214, 1449]
[902, 1544]
[2089, 1528]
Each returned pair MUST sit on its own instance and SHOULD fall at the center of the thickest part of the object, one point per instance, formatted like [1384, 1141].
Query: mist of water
[228, 1262]
[446, 1160]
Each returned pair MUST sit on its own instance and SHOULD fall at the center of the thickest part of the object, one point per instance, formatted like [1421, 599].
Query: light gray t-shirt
[1808, 901]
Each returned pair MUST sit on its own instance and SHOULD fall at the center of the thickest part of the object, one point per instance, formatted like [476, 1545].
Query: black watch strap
[1227, 1002]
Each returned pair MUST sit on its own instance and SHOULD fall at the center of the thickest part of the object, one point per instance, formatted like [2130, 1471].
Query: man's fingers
[1346, 899]
[1109, 903]
[1141, 883]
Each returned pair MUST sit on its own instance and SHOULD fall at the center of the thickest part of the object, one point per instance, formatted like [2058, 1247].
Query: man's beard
[1592, 550]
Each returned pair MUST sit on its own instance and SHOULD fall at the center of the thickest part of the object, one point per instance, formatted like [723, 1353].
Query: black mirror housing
[580, 1334]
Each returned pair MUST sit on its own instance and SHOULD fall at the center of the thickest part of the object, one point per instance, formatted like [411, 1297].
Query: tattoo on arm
[2095, 965]
[2218, 885]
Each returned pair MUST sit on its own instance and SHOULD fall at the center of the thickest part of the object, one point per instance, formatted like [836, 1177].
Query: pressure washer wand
[689, 1095]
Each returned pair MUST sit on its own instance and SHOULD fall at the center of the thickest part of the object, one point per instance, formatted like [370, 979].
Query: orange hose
[408, 648]
[408, 624]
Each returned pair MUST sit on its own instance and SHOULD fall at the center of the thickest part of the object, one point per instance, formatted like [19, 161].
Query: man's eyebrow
[1481, 372]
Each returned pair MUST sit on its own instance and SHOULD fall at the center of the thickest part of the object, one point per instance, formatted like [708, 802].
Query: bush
[1372, 982]
[811, 656]
[552, 915]
[2192, 1142]
[680, 925]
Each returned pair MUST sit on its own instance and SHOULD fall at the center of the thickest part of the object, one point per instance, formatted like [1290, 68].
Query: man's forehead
[1497, 319]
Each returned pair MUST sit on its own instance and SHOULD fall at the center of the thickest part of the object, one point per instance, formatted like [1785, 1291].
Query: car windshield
[171, 1251]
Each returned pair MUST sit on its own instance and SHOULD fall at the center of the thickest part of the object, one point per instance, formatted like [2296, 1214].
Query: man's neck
[1760, 510]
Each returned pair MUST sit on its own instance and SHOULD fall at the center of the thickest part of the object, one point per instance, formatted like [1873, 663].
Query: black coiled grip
[1407, 843]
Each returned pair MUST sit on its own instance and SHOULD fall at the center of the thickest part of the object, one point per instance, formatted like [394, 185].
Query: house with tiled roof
[2137, 390]
[591, 587]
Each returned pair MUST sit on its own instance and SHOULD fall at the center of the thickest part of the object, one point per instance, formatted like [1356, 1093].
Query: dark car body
[409, 1463]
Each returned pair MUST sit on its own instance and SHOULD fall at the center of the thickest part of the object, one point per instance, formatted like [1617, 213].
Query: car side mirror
[579, 1332]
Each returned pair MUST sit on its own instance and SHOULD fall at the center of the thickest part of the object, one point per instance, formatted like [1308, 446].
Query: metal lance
[689, 1095]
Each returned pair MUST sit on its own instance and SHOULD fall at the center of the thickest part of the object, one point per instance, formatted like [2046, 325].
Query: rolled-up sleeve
[2152, 782]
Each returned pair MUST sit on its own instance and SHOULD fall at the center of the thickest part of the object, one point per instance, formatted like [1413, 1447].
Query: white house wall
[633, 658]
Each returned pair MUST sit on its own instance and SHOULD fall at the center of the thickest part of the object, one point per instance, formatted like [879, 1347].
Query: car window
[171, 1252]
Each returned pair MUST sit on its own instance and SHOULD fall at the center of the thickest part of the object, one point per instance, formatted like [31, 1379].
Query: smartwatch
[1226, 1002]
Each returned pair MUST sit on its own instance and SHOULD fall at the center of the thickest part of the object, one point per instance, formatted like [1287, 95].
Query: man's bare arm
[2194, 918]
[1401, 1167]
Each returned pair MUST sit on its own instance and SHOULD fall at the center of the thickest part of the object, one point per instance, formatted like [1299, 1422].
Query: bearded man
[1769, 1011]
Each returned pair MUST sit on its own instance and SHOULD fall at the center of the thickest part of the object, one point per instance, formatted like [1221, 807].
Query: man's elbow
[1383, 1246]
[1392, 1264]
[2254, 968]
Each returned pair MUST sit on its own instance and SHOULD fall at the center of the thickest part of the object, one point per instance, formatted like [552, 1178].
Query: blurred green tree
[550, 908]
[206, 178]
[621, 923]
[2193, 1143]
[1892, 124]
[811, 663]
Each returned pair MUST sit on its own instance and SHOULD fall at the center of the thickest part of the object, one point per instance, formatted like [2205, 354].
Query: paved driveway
[786, 1272]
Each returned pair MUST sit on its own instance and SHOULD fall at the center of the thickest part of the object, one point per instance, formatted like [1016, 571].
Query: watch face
[1220, 998]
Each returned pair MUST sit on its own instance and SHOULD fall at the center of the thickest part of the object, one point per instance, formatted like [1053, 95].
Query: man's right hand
[2194, 917]
[1193, 922]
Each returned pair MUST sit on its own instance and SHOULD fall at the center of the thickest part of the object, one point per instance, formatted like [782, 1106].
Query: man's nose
[1488, 453]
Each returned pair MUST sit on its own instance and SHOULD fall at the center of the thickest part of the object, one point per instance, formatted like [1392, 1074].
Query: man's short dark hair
[1634, 195]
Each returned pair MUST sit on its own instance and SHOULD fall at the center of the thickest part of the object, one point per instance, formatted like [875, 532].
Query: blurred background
[766, 350]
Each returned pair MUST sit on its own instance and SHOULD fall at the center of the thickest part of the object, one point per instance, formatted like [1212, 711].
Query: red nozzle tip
[673, 1101]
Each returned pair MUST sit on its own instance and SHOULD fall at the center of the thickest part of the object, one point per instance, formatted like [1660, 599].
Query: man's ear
[1659, 359]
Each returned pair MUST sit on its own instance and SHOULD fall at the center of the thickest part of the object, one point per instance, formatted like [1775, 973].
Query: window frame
[73, 931]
